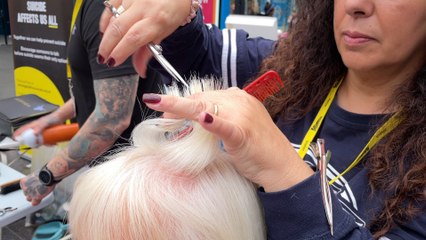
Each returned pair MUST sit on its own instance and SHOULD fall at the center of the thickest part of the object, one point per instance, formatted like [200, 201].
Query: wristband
[195, 5]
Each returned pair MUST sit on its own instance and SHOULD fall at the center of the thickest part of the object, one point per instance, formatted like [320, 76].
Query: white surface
[17, 199]
[5, 145]
[256, 26]
[8, 143]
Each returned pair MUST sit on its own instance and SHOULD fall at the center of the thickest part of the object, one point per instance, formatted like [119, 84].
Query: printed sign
[40, 32]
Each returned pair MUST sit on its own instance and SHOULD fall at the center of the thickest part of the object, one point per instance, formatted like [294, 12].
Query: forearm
[65, 112]
[115, 99]
[90, 142]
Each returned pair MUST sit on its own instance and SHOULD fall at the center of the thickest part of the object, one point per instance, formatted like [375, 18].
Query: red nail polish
[101, 60]
[208, 118]
[110, 62]
[151, 98]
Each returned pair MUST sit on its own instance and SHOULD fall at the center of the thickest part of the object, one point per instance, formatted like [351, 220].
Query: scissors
[6, 210]
[323, 159]
[155, 49]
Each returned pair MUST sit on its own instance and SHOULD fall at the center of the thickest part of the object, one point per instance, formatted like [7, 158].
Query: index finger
[121, 36]
[177, 107]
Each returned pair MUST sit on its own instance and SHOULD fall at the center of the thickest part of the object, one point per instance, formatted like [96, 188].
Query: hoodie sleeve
[204, 50]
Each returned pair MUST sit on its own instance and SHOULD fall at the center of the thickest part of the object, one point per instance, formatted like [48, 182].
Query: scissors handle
[156, 50]
[6, 210]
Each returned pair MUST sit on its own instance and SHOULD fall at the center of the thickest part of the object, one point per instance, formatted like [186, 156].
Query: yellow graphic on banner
[29, 80]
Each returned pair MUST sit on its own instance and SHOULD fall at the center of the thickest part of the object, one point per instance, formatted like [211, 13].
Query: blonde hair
[175, 182]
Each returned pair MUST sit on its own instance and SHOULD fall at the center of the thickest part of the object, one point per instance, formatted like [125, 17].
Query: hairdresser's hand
[37, 125]
[258, 148]
[34, 190]
[142, 22]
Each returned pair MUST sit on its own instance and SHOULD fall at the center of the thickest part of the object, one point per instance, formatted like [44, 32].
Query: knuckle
[133, 36]
[200, 106]
[115, 29]
[172, 101]
[162, 18]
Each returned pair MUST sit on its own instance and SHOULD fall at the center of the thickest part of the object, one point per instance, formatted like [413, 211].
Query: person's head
[333, 37]
[175, 182]
[369, 39]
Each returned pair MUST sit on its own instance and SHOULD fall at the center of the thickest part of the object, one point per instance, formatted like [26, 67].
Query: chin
[358, 62]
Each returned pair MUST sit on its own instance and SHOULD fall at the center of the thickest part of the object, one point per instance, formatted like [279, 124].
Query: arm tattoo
[115, 98]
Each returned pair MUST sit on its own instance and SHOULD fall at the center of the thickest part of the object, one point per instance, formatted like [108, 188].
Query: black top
[82, 54]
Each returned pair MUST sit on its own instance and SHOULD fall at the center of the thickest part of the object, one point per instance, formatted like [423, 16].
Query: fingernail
[151, 98]
[208, 118]
[101, 60]
[110, 62]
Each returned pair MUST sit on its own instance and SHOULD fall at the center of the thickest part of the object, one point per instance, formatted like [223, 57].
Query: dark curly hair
[309, 63]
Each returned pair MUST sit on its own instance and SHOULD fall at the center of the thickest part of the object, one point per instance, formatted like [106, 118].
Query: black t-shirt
[82, 54]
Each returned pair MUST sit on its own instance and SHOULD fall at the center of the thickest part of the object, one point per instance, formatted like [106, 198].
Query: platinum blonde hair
[175, 182]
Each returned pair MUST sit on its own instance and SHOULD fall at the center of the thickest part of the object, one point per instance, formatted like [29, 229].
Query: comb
[11, 186]
[265, 86]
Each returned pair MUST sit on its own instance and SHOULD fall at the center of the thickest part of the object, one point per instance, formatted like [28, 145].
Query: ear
[140, 60]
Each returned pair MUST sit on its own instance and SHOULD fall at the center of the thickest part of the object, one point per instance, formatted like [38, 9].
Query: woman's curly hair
[309, 63]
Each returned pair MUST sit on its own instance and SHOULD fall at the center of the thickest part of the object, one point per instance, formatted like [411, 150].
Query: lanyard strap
[316, 124]
[387, 127]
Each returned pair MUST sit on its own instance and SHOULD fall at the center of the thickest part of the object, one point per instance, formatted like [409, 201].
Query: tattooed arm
[115, 99]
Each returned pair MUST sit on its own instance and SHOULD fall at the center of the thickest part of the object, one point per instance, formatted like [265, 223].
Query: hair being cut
[174, 182]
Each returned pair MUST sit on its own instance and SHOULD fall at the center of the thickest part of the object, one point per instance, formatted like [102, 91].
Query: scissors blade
[157, 52]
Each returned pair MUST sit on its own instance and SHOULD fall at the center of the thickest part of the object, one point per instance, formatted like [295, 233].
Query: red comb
[265, 86]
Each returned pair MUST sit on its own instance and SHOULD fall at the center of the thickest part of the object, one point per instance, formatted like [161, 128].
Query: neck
[367, 95]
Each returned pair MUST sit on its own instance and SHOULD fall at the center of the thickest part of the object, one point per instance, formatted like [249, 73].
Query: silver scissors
[155, 49]
[6, 210]
[323, 159]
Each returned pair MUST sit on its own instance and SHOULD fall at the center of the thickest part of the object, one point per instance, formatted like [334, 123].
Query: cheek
[338, 17]
[408, 36]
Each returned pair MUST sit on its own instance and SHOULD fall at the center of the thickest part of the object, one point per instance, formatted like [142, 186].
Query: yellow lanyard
[75, 11]
[387, 127]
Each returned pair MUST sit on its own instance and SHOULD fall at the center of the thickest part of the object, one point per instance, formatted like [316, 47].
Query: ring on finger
[115, 11]
[216, 110]
[120, 10]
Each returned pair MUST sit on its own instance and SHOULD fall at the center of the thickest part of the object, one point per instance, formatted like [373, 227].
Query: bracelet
[195, 5]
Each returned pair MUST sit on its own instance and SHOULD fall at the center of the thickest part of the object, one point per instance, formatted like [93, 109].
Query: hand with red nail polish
[243, 124]
[142, 22]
